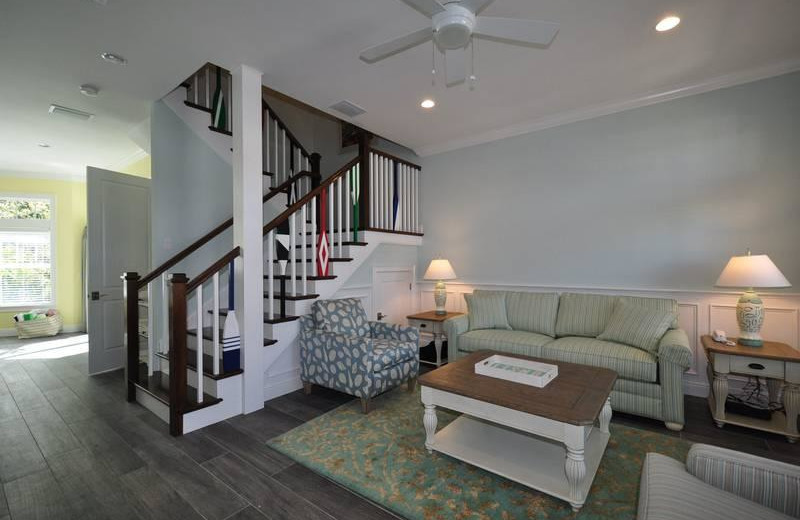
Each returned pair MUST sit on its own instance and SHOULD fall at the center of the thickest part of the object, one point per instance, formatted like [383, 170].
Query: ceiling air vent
[348, 108]
[70, 112]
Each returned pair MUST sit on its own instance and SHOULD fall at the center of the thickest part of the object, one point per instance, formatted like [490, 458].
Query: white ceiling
[606, 56]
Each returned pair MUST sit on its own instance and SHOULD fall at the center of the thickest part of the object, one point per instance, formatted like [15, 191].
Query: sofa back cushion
[344, 316]
[532, 312]
[637, 326]
[584, 314]
[660, 304]
[487, 310]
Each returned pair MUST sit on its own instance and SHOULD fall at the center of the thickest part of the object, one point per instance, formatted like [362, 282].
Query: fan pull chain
[433, 63]
[472, 78]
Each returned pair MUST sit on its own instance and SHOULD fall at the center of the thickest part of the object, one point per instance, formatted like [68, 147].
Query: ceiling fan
[453, 25]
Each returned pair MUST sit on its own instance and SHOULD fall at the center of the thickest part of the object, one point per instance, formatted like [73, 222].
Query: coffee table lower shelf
[527, 459]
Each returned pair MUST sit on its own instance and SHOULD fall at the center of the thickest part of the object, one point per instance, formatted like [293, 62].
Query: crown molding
[138, 155]
[582, 114]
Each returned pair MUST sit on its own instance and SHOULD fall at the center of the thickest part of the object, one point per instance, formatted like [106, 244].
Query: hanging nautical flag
[355, 183]
[231, 339]
[396, 199]
[219, 117]
[282, 243]
[322, 241]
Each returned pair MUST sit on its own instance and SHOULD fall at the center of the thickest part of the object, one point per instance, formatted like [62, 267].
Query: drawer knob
[422, 325]
[756, 366]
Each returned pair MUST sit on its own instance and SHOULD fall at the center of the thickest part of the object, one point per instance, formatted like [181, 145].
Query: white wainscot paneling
[699, 312]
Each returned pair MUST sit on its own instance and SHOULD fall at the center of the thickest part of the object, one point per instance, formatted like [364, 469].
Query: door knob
[381, 316]
[96, 295]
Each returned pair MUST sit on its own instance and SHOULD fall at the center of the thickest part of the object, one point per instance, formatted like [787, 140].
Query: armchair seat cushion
[514, 341]
[628, 362]
[386, 353]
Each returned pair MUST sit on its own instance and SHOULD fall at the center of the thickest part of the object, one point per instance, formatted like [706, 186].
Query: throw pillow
[638, 326]
[487, 311]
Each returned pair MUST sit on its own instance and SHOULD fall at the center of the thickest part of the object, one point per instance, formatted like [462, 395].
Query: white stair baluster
[293, 250]
[199, 361]
[314, 235]
[215, 322]
[266, 141]
[347, 204]
[339, 222]
[164, 313]
[270, 275]
[379, 194]
[285, 165]
[208, 88]
[303, 248]
[275, 180]
[150, 337]
[416, 200]
[331, 236]
[372, 168]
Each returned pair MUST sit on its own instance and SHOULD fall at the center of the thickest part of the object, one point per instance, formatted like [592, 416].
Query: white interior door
[392, 294]
[118, 241]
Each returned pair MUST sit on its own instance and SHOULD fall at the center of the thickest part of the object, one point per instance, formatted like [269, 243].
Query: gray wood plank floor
[72, 448]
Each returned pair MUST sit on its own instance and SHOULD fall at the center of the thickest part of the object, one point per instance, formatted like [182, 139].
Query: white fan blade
[455, 61]
[384, 50]
[426, 7]
[526, 31]
[476, 6]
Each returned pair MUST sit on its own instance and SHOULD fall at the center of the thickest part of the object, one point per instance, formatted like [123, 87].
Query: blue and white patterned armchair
[342, 350]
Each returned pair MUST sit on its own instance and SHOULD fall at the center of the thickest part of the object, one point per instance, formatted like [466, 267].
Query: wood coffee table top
[576, 396]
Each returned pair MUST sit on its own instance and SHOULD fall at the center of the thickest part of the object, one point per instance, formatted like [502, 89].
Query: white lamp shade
[440, 269]
[751, 271]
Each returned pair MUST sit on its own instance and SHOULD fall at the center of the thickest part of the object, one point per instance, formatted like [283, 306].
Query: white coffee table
[544, 438]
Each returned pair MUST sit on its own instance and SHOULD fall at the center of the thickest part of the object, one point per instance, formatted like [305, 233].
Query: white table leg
[720, 396]
[429, 420]
[773, 389]
[791, 403]
[605, 416]
[437, 343]
[575, 465]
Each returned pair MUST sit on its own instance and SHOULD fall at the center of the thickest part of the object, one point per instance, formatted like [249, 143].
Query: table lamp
[751, 271]
[440, 270]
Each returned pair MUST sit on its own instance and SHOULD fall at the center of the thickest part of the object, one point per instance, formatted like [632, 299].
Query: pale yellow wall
[70, 219]
[140, 168]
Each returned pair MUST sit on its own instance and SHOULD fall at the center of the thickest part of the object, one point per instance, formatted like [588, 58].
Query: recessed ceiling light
[428, 103]
[43, 145]
[89, 90]
[113, 58]
[667, 23]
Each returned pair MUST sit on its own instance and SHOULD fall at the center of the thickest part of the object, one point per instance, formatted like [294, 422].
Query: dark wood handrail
[194, 246]
[286, 184]
[215, 267]
[295, 141]
[395, 158]
[280, 219]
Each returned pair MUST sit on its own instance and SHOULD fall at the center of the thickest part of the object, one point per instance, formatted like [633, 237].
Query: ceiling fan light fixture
[428, 103]
[116, 59]
[668, 23]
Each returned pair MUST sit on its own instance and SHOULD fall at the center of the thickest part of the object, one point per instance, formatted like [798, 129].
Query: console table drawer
[757, 366]
[427, 326]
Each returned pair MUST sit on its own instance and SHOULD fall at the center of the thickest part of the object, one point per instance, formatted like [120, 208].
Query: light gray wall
[655, 197]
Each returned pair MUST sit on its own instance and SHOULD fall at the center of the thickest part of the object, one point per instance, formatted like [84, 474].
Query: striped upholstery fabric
[635, 404]
[533, 312]
[670, 376]
[770, 483]
[453, 329]
[674, 348]
[637, 326]
[661, 304]
[487, 311]
[514, 341]
[627, 362]
[668, 492]
[584, 314]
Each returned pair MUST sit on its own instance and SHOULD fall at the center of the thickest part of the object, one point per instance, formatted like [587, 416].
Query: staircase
[324, 230]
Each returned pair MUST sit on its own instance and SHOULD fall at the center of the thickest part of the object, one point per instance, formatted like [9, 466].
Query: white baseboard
[67, 329]
[282, 383]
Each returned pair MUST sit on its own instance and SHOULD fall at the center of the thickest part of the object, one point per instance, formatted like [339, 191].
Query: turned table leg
[429, 420]
[720, 396]
[605, 416]
[791, 403]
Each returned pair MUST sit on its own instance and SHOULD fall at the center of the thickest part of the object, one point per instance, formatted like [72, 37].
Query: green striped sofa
[565, 328]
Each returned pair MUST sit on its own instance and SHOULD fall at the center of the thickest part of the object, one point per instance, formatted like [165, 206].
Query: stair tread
[208, 361]
[268, 174]
[290, 298]
[209, 334]
[334, 259]
[300, 246]
[220, 130]
[224, 312]
[310, 278]
[157, 386]
[196, 106]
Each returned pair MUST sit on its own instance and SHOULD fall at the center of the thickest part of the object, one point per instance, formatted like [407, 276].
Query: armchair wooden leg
[412, 384]
[307, 388]
[365, 405]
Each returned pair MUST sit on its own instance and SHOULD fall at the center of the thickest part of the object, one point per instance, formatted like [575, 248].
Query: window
[26, 251]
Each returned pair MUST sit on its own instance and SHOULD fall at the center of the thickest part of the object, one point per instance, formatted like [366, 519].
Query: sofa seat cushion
[627, 362]
[667, 492]
[387, 353]
[513, 341]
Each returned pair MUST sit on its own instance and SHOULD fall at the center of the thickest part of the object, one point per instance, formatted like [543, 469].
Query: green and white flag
[219, 117]
[355, 184]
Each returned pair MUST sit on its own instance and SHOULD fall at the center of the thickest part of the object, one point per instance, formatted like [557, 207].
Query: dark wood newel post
[130, 295]
[364, 145]
[177, 352]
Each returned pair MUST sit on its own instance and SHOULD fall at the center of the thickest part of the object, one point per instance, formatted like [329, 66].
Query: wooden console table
[432, 323]
[777, 362]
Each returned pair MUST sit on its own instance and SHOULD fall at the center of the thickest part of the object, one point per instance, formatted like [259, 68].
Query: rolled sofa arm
[773, 484]
[453, 328]
[674, 348]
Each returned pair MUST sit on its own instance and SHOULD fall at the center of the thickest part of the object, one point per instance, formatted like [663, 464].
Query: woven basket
[49, 326]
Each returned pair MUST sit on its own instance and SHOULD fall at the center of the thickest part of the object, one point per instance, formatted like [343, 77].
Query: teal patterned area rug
[382, 457]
